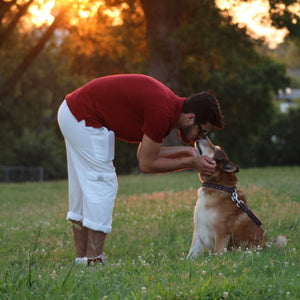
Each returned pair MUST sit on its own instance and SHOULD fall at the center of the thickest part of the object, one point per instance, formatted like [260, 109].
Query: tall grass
[151, 236]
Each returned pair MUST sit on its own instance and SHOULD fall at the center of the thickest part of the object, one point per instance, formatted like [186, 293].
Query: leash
[234, 197]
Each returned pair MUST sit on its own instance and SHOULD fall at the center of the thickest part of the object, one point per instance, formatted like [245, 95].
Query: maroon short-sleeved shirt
[131, 105]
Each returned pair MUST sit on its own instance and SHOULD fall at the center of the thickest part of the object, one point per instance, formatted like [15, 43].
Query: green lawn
[151, 236]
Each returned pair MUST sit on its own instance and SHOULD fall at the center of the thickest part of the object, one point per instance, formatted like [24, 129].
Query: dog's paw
[191, 255]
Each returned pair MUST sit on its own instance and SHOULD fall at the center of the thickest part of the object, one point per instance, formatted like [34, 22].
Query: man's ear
[190, 118]
[230, 167]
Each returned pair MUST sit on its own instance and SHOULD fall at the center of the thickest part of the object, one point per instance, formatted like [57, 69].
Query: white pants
[92, 178]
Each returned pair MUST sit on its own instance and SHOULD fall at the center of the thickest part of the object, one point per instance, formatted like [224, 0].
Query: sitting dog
[222, 218]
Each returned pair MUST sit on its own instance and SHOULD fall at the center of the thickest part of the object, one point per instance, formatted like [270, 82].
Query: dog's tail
[281, 241]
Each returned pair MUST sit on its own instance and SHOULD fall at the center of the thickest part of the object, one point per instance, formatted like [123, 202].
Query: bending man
[135, 108]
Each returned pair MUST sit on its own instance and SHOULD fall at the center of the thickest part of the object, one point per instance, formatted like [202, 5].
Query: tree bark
[163, 19]
[163, 24]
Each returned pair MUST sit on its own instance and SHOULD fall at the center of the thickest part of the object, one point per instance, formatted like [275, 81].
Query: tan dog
[222, 218]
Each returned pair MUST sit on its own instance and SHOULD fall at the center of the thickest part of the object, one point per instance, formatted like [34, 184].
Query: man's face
[191, 133]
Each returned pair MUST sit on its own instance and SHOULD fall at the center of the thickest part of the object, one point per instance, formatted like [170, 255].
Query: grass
[152, 233]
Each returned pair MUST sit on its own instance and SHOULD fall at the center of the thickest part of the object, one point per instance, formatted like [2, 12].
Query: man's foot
[81, 261]
[86, 261]
[96, 260]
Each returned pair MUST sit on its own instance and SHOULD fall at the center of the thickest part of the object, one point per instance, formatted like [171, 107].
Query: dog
[222, 218]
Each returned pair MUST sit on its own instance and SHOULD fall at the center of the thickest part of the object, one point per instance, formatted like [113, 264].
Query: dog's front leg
[221, 242]
[197, 246]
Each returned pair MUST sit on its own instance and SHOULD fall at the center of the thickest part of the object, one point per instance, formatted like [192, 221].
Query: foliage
[283, 16]
[215, 54]
[289, 54]
[210, 45]
[279, 142]
[125, 157]
[30, 135]
[41, 149]
[102, 48]
[244, 81]
[152, 233]
[247, 102]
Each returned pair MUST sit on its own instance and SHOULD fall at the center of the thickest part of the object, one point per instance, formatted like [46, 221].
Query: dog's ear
[230, 167]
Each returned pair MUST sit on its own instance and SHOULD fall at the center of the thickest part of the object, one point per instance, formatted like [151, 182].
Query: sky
[254, 15]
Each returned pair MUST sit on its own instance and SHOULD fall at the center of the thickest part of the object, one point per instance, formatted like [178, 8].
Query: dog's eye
[222, 161]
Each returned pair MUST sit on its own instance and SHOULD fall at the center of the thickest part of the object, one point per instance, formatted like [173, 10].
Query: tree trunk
[11, 26]
[163, 19]
[163, 24]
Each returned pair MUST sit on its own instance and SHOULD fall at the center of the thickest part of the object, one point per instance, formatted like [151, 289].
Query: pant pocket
[103, 141]
[101, 186]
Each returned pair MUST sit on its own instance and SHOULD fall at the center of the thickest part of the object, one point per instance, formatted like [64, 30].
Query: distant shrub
[279, 143]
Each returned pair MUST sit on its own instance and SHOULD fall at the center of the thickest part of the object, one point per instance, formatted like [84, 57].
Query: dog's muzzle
[198, 146]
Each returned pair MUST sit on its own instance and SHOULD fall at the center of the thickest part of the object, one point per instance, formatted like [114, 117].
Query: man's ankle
[95, 260]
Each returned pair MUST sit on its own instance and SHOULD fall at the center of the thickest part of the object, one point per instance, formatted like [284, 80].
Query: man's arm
[153, 158]
[177, 152]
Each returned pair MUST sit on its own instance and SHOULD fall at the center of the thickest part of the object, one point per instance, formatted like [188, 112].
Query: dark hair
[206, 108]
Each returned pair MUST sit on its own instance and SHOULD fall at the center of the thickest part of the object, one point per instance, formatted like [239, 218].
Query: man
[138, 109]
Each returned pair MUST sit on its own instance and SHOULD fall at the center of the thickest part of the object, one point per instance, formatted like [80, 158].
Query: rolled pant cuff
[71, 216]
[96, 227]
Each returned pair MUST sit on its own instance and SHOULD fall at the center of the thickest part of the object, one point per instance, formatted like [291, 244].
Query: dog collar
[227, 189]
[234, 197]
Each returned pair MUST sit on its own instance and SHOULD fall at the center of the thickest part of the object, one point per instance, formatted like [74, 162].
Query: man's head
[206, 108]
[200, 113]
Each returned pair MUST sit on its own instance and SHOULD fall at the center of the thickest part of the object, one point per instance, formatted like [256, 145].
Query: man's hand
[205, 165]
[155, 159]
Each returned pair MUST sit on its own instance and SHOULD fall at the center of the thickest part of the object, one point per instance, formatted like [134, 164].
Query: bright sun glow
[254, 15]
[41, 11]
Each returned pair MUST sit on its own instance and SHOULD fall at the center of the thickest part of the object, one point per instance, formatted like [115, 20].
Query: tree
[101, 48]
[208, 49]
[228, 62]
[5, 6]
[289, 54]
[163, 21]
[247, 102]
[278, 143]
[10, 83]
[163, 24]
[285, 14]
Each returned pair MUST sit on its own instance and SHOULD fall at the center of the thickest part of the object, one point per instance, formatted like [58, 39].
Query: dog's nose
[208, 140]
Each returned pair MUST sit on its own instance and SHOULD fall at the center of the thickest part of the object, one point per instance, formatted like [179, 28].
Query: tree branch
[27, 61]
[12, 25]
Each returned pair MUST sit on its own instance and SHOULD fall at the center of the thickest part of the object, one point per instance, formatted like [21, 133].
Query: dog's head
[224, 166]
